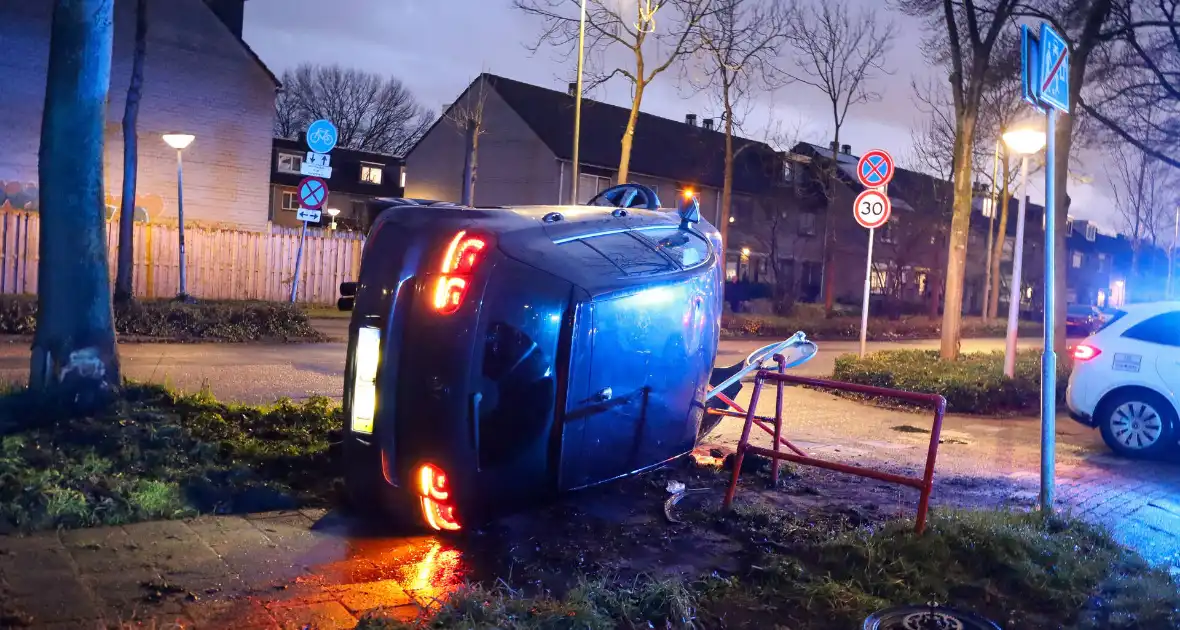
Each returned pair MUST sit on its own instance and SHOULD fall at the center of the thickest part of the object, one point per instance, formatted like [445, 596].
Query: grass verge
[972, 384]
[845, 328]
[1022, 570]
[168, 320]
[159, 455]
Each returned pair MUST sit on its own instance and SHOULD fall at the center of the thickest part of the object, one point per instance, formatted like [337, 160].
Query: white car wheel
[1138, 425]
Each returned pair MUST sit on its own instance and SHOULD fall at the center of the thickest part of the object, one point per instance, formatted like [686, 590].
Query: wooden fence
[221, 264]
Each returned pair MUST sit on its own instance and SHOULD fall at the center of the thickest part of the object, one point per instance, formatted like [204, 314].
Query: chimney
[230, 12]
[846, 149]
[707, 123]
[690, 120]
[833, 146]
[572, 90]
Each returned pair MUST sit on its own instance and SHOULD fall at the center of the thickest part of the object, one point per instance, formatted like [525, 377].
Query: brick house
[199, 77]
[525, 152]
[357, 178]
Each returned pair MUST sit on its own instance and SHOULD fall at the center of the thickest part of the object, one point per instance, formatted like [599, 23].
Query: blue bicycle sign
[321, 136]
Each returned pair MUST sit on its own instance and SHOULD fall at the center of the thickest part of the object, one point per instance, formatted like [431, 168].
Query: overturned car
[501, 356]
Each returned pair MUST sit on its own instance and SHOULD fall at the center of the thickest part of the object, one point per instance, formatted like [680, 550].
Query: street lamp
[1024, 141]
[180, 142]
[332, 212]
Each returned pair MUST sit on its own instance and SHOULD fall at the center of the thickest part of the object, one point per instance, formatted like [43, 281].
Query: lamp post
[578, 106]
[180, 142]
[1025, 142]
[332, 212]
[1172, 252]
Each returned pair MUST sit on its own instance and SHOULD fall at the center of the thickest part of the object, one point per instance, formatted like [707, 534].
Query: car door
[1157, 340]
[631, 401]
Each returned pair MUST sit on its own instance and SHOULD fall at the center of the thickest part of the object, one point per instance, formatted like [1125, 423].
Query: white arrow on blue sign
[321, 136]
[1054, 69]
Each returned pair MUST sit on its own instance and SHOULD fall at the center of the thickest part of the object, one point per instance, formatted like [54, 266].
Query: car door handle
[603, 395]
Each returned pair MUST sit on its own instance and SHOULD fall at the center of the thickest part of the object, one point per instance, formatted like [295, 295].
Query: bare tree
[657, 35]
[124, 289]
[74, 353]
[839, 52]
[965, 36]
[371, 112]
[741, 39]
[468, 120]
[1141, 186]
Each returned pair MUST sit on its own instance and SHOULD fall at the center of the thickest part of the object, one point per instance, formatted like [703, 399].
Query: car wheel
[1138, 424]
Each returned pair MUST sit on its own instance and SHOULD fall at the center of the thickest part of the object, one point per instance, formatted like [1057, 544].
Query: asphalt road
[263, 373]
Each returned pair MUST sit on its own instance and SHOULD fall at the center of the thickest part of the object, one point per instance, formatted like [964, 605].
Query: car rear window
[686, 248]
[1163, 329]
[631, 254]
[1111, 318]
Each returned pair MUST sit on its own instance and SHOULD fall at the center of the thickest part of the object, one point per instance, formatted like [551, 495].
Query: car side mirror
[690, 212]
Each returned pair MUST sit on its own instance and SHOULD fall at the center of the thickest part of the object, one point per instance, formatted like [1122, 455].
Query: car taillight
[458, 265]
[1084, 353]
[435, 494]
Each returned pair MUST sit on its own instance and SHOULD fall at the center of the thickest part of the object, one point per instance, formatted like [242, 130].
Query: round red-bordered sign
[872, 209]
[313, 193]
[875, 168]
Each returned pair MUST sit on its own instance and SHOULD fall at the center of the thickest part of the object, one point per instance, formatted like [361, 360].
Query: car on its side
[1126, 380]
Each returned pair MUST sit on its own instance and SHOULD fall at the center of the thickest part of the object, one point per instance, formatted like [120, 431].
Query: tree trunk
[629, 135]
[829, 278]
[727, 182]
[124, 289]
[74, 354]
[469, 162]
[993, 305]
[1061, 257]
[956, 263]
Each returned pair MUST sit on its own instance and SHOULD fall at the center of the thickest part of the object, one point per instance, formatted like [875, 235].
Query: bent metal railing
[923, 484]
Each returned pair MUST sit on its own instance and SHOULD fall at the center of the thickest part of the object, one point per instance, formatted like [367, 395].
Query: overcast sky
[436, 47]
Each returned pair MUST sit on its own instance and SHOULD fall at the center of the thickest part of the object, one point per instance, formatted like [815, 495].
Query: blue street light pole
[1049, 357]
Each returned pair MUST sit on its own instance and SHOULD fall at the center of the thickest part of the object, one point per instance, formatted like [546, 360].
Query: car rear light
[435, 493]
[1084, 353]
[463, 255]
[364, 388]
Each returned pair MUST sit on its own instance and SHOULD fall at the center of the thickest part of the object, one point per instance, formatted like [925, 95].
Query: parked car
[500, 356]
[1083, 318]
[1126, 380]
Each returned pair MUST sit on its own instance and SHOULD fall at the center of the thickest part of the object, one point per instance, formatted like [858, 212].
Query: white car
[1126, 380]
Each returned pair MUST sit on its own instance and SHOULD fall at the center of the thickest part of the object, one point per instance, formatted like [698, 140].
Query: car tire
[1138, 424]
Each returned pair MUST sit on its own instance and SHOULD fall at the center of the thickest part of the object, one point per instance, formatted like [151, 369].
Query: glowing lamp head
[746, 251]
[1025, 141]
[332, 212]
[689, 193]
[179, 141]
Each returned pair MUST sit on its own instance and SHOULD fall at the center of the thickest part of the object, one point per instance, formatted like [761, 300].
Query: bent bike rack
[923, 484]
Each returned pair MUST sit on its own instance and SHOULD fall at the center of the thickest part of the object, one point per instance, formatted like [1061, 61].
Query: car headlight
[364, 385]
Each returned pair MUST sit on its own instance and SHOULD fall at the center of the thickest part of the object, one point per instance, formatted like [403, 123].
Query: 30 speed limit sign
[871, 209]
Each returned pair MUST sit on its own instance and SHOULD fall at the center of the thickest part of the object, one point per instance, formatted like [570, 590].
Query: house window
[1068, 227]
[1077, 260]
[371, 173]
[290, 200]
[1091, 232]
[807, 223]
[290, 163]
[1101, 262]
[879, 278]
[887, 232]
[590, 185]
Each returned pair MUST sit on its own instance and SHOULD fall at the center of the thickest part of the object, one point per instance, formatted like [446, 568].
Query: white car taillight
[364, 388]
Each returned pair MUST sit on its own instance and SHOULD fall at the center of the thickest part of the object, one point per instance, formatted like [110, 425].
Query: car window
[631, 254]
[1111, 317]
[683, 246]
[589, 259]
[1163, 329]
[1079, 310]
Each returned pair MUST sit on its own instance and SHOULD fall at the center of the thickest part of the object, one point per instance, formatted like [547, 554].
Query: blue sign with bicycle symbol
[321, 136]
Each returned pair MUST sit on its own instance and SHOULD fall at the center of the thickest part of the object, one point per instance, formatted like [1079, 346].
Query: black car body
[498, 356]
[1083, 318]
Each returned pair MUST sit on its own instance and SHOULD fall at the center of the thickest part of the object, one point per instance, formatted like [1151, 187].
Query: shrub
[812, 321]
[974, 383]
[160, 455]
[168, 320]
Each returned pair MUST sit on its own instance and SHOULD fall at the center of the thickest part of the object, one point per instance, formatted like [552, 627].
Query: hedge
[973, 384]
[169, 320]
[840, 328]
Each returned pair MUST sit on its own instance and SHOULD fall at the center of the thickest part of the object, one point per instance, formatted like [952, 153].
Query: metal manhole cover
[926, 618]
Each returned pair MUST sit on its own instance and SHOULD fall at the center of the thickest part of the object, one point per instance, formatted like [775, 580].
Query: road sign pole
[864, 309]
[298, 263]
[1049, 358]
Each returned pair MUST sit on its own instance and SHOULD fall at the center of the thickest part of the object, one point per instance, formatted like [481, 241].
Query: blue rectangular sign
[1030, 68]
[1054, 69]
